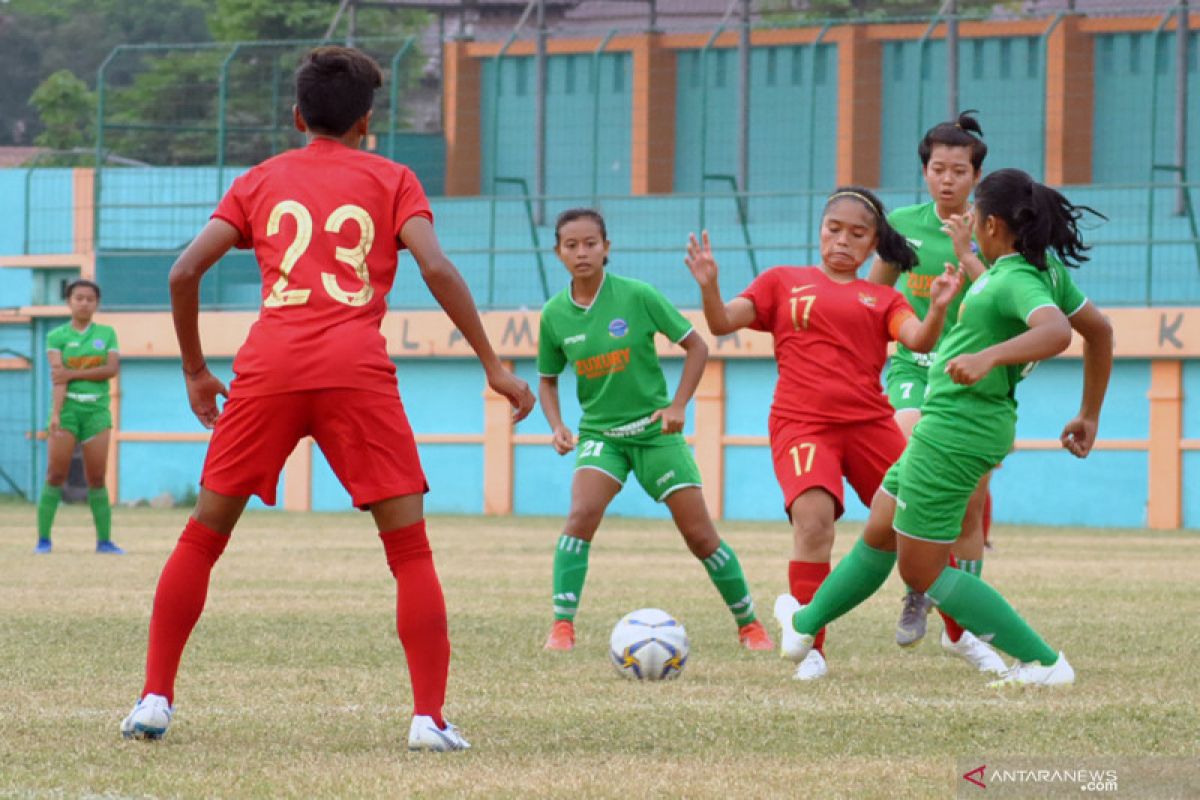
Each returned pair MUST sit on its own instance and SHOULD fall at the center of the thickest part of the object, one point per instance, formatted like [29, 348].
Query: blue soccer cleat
[110, 548]
[43, 547]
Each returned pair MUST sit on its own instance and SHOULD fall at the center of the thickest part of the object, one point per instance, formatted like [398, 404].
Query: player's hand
[959, 228]
[700, 259]
[969, 368]
[1078, 436]
[202, 389]
[58, 375]
[945, 286]
[672, 418]
[515, 390]
[55, 424]
[564, 440]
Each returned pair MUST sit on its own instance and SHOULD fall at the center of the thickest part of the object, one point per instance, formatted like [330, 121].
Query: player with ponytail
[829, 418]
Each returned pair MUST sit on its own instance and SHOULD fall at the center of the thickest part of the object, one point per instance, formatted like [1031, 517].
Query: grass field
[294, 684]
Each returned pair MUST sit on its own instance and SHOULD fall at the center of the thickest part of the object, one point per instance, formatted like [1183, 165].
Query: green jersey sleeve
[550, 358]
[666, 317]
[110, 335]
[1067, 295]
[57, 339]
[1026, 294]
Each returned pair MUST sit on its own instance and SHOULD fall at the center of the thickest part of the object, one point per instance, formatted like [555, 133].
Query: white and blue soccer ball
[649, 645]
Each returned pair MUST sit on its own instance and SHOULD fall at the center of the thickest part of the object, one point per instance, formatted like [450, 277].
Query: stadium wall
[1099, 82]
[1145, 470]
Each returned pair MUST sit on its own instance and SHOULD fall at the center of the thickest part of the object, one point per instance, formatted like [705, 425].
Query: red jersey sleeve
[410, 202]
[898, 311]
[232, 209]
[761, 292]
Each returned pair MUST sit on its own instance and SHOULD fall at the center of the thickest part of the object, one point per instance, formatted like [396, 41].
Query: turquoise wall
[788, 85]
[1128, 77]
[1001, 78]
[570, 88]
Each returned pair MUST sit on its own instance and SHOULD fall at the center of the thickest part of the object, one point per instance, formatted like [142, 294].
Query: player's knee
[584, 520]
[813, 531]
[916, 575]
[56, 477]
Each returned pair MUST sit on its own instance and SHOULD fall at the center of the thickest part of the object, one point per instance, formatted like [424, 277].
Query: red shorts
[808, 456]
[364, 435]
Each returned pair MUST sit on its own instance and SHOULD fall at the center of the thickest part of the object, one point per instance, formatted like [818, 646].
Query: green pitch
[294, 683]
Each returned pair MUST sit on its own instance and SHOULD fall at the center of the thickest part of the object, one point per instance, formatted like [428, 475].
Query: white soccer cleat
[812, 667]
[1021, 673]
[793, 645]
[425, 735]
[974, 651]
[149, 718]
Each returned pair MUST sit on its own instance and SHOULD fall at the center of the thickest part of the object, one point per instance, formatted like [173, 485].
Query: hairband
[855, 195]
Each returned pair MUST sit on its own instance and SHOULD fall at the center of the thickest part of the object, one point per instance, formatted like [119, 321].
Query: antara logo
[975, 776]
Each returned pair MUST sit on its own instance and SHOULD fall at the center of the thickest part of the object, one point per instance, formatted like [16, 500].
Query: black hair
[890, 244]
[335, 87]
[81, 283]
[1040, 218]
[961, 132]
[572, 214]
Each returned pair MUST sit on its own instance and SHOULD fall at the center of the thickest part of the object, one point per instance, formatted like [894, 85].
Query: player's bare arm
[674, 415]
[883, 273]
[214, 241]
[452, 294]
[564, 440]
[1079, 434]
[1048, 335]
[921, 336]
[109, 369]
[959, 227]
[58, 391]
[722, 318]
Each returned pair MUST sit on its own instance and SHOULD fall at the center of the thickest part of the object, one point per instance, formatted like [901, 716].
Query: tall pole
[952, 57]
[539, 176]
[743, 164]
[352, 23]
[1181, 106]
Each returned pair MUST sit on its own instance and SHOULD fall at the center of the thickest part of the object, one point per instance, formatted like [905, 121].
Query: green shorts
[907, 384]
[84, 420]
[661, 462]
[931, 487]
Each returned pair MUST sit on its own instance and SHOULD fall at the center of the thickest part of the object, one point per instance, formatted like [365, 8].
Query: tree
[67, 111]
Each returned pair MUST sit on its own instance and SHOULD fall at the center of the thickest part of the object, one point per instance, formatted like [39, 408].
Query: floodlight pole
[1181, 107]
[952, 57]
[539, 175]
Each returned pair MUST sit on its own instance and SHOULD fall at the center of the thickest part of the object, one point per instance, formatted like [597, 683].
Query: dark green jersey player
[1011, 318]
[83, 357]
[603, 328]
[951, 155]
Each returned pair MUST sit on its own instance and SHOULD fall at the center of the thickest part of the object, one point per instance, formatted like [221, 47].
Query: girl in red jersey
[829, 418]
[327, 222]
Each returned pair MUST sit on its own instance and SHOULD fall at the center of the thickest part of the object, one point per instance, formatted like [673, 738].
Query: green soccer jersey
[83, 350]
[922, 227]
[982, 418]
[611, 346]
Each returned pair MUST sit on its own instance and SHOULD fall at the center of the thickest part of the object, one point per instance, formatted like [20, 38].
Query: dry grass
[294, 684]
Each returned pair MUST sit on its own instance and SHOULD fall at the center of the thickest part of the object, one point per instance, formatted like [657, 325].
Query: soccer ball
[649, 645]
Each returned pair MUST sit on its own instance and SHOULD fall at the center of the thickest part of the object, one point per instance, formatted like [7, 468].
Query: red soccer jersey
[830, 342]
[324, 222]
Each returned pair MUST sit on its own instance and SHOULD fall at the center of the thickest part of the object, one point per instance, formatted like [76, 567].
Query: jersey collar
[586, 309]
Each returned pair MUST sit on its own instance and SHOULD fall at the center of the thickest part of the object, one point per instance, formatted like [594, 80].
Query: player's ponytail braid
[889, 243]
[1039, 217]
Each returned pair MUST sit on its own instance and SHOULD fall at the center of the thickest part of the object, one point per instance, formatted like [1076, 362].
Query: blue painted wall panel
[442, 396]
[1191, 489]
[1129, 75]
[788, 86]
[454, 472]
[1107, 489]
[1049, 397]
[1191, 402]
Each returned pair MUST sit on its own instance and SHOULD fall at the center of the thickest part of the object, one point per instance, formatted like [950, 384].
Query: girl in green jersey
[603, 326]
[1011, 318]
[952, 155]
[83, 357]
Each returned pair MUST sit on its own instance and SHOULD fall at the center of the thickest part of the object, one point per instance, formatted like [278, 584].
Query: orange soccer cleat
[753, 636]
[562, 635]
